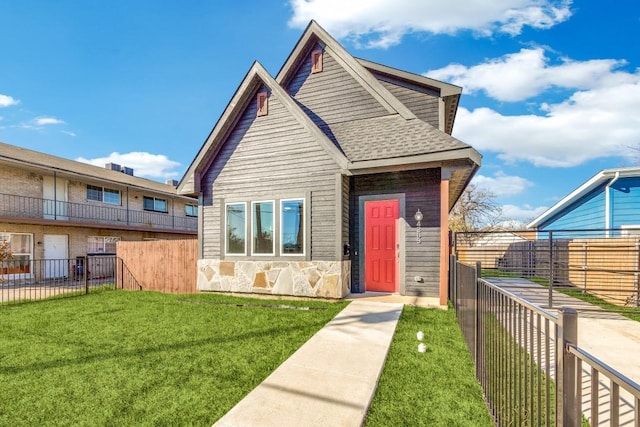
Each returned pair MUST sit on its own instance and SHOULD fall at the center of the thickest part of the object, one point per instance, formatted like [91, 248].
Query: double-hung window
[191, 210]
[104, 195]
[154, 204]
[20, 246]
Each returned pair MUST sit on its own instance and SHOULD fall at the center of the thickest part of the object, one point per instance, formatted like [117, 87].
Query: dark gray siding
[345, 211]
[422, 191]
[332, 95]
[269, 157]
[421, 101]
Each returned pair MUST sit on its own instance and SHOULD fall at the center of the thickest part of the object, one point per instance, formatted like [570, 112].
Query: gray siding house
[335, 177]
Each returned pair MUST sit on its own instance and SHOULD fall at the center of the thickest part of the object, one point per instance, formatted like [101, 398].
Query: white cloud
[7, 101]
[382, 23]
[502, 185]
[66, 132]
[590, 124]
[522, 214]
[144, 164]
[42, 121]
[526, 74]
[601, 118]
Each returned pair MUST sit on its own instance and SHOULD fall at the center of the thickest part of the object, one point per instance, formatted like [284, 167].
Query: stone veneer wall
[327, 279]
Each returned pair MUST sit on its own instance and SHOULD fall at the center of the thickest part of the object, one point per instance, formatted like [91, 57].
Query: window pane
[236, 229]
[111, 196]
[160, 205]
[263, 228]
[95, 245]
[147, 203]
[94, 193]
[292, 227]
[191, 210]
[110, 244]
[20, 243]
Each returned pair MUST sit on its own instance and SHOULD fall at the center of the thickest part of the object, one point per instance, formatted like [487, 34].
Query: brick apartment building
[58, 209]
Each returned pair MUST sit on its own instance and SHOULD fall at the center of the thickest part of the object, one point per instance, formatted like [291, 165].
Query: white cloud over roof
[144, 164]
[502, 185]
[599, 115]
[382, 23]
[528, 73]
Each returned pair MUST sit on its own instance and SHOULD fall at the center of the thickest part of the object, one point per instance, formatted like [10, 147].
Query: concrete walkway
[610, 337]
[331, 379]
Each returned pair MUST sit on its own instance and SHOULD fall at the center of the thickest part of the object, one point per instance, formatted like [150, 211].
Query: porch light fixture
[418, 217]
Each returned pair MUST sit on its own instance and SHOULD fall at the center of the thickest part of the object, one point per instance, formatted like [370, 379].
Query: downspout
[607, 203]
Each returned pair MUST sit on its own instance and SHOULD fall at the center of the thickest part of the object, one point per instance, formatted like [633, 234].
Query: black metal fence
[37, 208]
[603, 262]
[27, 279]
[529, 363]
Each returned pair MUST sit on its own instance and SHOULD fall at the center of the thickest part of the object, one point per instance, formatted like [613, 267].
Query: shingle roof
[390, 137]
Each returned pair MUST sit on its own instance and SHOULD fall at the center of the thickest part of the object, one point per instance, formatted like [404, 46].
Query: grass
[511, 374]
[435, 388]
[632, 313]
[142, 358]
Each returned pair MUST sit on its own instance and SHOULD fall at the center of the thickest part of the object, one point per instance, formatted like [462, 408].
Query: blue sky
[551, 88]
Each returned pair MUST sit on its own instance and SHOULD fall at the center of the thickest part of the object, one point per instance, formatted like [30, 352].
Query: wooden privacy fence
[606, 266]
[168, 266]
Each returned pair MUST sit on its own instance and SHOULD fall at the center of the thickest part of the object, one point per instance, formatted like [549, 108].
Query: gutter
[607, 203]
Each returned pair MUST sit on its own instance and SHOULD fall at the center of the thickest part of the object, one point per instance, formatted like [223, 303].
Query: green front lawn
[435, 388]
[143, 358]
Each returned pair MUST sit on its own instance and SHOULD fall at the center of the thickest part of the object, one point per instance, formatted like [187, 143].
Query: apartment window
[263, 103]
[191, 210]
[154, 204]
[292, 233]
[104, 195]
[21, 249]
[102, 244]
[262, 226]
[235, 226]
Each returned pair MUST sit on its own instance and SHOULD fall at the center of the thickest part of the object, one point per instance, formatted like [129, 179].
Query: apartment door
[55, 195]
[380, 245]
[56, 256]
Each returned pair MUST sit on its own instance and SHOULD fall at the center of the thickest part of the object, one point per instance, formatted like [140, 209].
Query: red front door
[380, 245]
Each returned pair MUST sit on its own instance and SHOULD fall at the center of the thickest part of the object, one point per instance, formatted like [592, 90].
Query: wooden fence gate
[168, 266]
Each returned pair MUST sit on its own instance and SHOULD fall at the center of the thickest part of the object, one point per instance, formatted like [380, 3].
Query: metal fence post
[86, 274]
[567, 393]
[452, 283]
[476, 316]
[550, 302]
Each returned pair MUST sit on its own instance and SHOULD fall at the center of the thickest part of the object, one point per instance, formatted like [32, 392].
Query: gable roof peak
[314, 33]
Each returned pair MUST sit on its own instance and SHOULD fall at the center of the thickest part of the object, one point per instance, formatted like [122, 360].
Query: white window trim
[226, 234]
[304, 227]
[13, 276]
[102, 195]
[273, 228]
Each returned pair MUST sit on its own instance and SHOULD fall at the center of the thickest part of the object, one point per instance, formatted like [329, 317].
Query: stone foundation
[326, 279]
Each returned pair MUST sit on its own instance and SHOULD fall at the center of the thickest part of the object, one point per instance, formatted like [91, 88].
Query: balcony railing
[36, 208]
